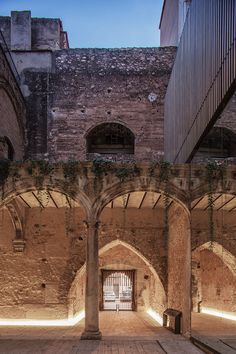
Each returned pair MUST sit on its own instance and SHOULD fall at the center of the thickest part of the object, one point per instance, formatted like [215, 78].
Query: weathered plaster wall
[37, 282]
[217, 282]
[9, 126]
[46, 33]
[142, 229]
[12, 109]
[91, 86]
[21, 32]
[224, 229]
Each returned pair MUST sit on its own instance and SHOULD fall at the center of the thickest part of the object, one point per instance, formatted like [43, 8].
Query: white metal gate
[118, 289]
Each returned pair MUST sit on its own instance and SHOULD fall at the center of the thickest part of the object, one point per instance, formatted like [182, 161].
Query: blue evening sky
[98, 23]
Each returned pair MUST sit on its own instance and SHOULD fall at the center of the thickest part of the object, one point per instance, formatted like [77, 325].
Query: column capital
[95, 224]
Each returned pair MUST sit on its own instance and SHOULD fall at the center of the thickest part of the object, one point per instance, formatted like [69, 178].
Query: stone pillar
[20, 30]
[179, 265]
[92, 286]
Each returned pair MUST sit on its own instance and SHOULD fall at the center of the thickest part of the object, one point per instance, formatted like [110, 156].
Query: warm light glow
[43, 323]
[155, 316]
[217, 313]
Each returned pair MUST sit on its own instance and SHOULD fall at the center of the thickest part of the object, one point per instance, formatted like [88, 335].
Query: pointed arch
[226, 257]
[116, 243]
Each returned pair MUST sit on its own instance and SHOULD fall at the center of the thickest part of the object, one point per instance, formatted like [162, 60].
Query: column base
[91, 335]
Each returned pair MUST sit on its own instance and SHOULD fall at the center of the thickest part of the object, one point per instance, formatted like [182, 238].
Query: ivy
[101, 166]
[214, 173]
[164, 171]
[71, 170]
[164, 176]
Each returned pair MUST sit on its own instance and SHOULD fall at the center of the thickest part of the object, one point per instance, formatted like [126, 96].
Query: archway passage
[43, 238]
[214, 270]
[118, 290]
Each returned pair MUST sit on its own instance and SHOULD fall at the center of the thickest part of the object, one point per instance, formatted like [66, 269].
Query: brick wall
[88, 87]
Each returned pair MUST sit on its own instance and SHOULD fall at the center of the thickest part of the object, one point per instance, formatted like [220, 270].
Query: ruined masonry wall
[37, 282]
[88, 87]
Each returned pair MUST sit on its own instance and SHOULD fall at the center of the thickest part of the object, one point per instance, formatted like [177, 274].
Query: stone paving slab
[214, 332]
[96, 347]
[124, 333]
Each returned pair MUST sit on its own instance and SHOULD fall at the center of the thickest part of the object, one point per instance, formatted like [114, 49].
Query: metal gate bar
[118, 290]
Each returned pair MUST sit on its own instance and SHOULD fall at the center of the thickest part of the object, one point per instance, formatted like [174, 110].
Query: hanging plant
[101, 166]
[214, 173]
[152, 168]
[127, 171]
[164, 178]
[70, 171]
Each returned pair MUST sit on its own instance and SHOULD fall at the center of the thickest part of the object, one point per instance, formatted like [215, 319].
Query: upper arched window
[219, 143]
[110, 138]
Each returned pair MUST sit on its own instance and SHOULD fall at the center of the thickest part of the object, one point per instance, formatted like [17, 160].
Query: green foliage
[101, 166]
[215, 172]
[71, 170]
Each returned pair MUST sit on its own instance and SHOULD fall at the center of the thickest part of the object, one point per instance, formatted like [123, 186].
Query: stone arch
[141, 183]
[227, 257]
[213, 278]
[81, 272]
[105, 121]
[219, 143]
[28, 185]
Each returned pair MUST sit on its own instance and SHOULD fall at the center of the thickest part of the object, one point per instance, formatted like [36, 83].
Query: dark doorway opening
[118, 290]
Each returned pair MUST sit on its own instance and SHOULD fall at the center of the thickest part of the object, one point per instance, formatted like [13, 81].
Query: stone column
[92, 287]
[179, 265]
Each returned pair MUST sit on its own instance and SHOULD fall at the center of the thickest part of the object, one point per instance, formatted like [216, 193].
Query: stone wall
[22, 32]
[218, 284]
[38, 283]
[12, 110]
[88, 87]
[224, 229]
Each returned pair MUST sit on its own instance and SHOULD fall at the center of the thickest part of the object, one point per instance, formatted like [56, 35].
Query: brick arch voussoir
[11, 190]
[141, 183]
[220, 251]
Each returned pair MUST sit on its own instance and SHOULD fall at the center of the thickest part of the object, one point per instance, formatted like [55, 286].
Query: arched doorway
[118, 290]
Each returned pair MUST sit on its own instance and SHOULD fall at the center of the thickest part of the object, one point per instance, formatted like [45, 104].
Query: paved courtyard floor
[216, 332]
[123, 333]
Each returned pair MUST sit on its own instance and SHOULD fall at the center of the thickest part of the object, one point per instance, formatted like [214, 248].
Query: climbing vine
[122, 171]
[164, 176]
[215, 173]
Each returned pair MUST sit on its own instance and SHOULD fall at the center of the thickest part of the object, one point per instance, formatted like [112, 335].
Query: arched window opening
[219, 143]
[110, 138]
[6, 149]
